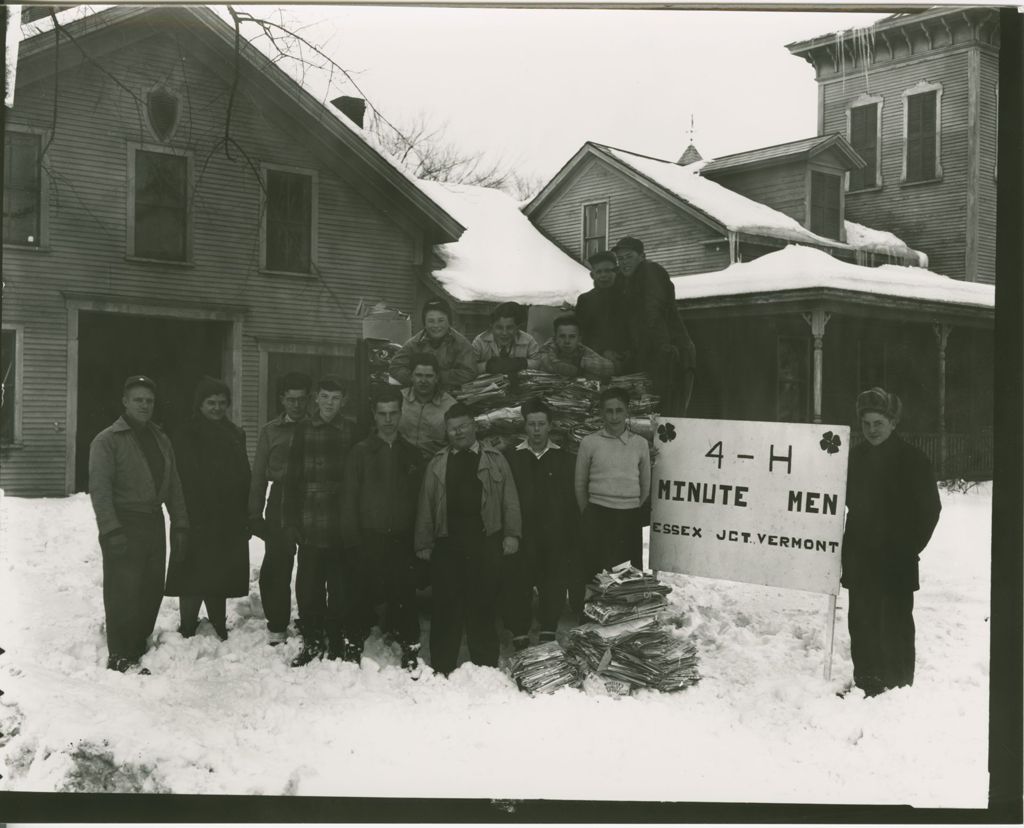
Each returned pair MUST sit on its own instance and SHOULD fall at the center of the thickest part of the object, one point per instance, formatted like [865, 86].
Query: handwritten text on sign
[762, 503]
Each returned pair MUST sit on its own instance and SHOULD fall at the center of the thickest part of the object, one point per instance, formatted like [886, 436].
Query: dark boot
[312, 649]
[411, 659]
[352, 652]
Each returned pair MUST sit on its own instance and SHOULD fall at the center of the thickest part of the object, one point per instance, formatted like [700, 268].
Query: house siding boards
[929, 216]
[675, 239]
[362, 253]
[781, 186]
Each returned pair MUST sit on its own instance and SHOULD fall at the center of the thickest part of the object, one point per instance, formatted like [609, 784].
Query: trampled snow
[232, 717]
[797, 267]
[501, 256]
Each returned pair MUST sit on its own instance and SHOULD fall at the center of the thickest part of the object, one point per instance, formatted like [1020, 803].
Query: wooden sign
[762, 503]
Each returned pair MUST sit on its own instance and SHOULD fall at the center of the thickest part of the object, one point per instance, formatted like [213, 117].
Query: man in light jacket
[468, 517]
[132, 472]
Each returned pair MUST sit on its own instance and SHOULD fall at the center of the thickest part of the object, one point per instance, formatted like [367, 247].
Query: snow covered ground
[231, 717]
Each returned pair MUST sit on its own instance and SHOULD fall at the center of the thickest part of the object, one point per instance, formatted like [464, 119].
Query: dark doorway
[174, 352]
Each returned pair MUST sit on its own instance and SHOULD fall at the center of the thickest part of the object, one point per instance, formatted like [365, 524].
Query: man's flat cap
[139, 379]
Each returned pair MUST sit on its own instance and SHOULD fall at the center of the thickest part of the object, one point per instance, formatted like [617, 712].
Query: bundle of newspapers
[495, 401]
[484, 392]
[640, 654]
[544, 668]
[624, 593]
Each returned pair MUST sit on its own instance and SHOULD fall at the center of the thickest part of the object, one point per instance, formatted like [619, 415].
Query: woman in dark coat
[893, 508]
[214, 470]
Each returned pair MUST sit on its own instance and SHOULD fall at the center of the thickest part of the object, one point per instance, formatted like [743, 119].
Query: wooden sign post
[757, 502]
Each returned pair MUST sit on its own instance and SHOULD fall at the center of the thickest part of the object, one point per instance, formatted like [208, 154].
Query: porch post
[942, 337]
[817, 319]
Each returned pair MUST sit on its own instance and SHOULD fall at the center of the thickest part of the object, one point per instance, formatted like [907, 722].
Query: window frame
[864, 101]
[133, 149]
[583, 225]
[17, 438]
[43, 136]
[922, 88]
[314, 218]
[809, 207]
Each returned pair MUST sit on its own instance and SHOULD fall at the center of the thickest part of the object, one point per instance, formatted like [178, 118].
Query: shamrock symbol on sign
[830, 442]
[666, 432]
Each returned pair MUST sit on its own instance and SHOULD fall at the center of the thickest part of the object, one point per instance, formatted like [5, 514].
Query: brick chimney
[353, 108]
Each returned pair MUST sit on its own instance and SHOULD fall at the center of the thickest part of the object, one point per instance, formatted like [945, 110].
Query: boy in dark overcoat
[894, 505]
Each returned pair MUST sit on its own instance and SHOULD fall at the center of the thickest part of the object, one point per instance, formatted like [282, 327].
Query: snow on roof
[880, 241]
[736, 212]
[501, 256]
[744, 215]
[797, 267]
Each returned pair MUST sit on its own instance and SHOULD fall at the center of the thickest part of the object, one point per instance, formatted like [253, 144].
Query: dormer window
[826, 204]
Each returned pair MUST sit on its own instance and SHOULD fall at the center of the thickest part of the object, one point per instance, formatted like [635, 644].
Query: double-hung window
[595, 228]
[159, 208]
[826, 204]
[22, 188]
[289, 239]
[921, 161]
[865, 139]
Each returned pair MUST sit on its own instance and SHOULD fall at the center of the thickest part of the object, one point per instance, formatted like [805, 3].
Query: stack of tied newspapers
[635, 654]
[624, 593]
[544, 668]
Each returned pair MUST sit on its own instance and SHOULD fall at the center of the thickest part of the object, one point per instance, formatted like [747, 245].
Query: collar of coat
[525, 446]
[437, 399]
[486, 464]
[375, 442]
[316, 421]
[122, 424]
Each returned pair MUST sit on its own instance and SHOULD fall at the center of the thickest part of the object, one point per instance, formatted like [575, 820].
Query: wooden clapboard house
[901, 173]
[136, 239]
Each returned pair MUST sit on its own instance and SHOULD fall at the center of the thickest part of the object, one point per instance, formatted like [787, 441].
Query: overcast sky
[531, 86]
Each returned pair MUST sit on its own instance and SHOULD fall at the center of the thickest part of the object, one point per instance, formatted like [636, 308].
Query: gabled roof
[386, 173]
[501, 256]
[722, 209]
[799, 268]
[805, 148]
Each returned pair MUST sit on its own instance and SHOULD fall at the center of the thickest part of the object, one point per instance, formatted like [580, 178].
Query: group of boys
[360, 517]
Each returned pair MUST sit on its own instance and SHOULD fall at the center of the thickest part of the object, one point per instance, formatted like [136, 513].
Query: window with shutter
[864, 139]
[825, 204]
[921, 135]
[595, 228]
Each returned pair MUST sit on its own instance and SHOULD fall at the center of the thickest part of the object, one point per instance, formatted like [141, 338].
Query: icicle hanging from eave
[11, 53]
[733, 246]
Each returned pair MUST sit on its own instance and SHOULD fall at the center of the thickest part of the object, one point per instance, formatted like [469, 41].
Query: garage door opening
[176, 353]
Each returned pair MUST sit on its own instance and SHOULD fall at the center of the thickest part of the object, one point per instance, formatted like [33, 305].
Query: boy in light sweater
[613, 479]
